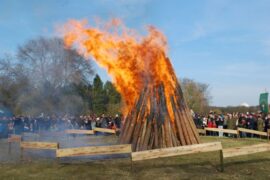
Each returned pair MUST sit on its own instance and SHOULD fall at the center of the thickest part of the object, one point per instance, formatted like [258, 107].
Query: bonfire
[155, 113]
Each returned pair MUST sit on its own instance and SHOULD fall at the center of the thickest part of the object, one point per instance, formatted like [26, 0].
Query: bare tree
[47, 60]
[44, 77]
[196, 95]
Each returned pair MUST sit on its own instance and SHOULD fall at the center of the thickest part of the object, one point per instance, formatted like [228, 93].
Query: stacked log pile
[150, 125]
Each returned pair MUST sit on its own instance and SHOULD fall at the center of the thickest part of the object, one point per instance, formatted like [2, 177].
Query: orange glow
[133, 61]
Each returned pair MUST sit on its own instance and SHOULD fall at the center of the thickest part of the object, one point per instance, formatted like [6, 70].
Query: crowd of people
[20, 124]
[16, 125]
[255, 121]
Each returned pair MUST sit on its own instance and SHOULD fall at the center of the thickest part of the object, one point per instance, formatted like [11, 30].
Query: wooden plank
[15, 138]
[201, 131]
[112, 131]
[176, 151]
[253, 131]
[93, 150]
[245, 150]
[229, 131]
[39, 145]
[30, 134]
[78, 131]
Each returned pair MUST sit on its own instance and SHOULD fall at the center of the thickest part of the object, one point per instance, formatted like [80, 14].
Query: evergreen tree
[114, 99]
[113, 96]
[99, 96]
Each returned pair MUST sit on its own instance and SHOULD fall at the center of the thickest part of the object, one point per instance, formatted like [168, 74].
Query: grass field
[198, 166]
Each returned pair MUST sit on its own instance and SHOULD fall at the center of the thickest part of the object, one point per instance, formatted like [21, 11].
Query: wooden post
[221, 161]
[238, 133]
[21, 153]
[9, 147]
[58, 159]
[131, 167]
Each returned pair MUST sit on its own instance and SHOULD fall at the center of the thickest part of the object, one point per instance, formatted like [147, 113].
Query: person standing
[260, 123]
[117, 121]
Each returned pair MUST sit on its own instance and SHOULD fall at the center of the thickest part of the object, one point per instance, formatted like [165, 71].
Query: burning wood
[150, 126]
[156, 115]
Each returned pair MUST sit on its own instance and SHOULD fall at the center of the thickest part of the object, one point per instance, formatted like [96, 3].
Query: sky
[223, 43]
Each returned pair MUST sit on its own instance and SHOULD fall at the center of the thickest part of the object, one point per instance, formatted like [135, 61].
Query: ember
[156, 115]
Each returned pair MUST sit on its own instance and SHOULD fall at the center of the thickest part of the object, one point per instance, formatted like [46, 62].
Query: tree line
[46, 77]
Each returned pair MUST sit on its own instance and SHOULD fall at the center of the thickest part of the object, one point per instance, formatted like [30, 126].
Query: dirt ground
[43, 165]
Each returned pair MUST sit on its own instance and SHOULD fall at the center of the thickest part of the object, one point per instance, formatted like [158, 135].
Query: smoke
[65, 141]
[44, 77]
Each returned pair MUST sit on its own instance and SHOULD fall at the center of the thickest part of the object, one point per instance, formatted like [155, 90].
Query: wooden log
[252, 131]
[130, 129]
[30, 134]
[166, 117]
[142, 134]
[180, 105]
[136, 136]
[79, 131]
[149, 137]
[184, 127]
[156, 141]
[147, 142]
[94, 150]
[194, 132]
[112, 131]
[15, 138]
[180, 131]
[125, 125]
[176, 151]
[183, 107]
[139, 123]
[151, 140]
[163, 145]
[229, 131]
[39, 145]
[246, 150]
[11, 139]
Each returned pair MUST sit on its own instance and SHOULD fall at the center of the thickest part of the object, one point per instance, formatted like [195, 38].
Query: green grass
[196, 166]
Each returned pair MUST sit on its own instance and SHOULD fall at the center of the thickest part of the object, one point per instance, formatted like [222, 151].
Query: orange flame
[133, 61]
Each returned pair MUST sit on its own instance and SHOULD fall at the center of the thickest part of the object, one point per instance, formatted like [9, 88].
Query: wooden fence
[235, 132]
[253, 132]
[245, 150]
[178, 151]
[143, 155]
[94, 150]
[78, 131]
[229, 131]
[112, 131]
[38, 145]
[13, 139]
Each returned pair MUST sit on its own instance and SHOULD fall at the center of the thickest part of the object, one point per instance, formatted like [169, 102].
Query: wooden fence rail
[112, 131]
[253, 131]
[93, 150]
[236, 132]
[38, 145]
[245, 150]
[229, 131]
[177, 151]
[79, 131]
[12, 139]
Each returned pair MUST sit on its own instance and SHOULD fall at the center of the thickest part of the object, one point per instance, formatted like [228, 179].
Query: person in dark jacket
[117, 121]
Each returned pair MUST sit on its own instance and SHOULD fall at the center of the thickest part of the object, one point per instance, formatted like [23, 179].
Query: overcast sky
[224, 43]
